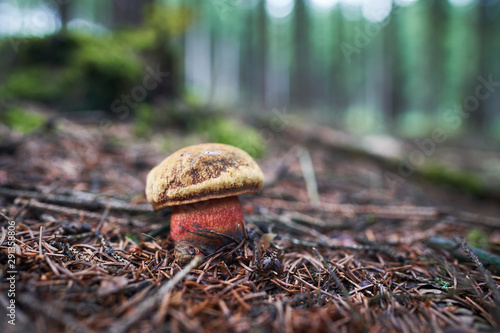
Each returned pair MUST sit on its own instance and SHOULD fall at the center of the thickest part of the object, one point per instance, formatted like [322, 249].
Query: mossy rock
[80, 72]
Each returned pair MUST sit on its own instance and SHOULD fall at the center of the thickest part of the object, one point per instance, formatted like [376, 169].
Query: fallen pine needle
[149, 303]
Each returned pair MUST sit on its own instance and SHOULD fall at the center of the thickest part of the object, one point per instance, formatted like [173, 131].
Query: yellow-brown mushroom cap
[202, 172]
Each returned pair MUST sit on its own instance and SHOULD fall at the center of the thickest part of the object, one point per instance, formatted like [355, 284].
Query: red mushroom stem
[206, 226]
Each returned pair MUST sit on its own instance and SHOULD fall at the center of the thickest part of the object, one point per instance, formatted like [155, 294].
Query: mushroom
[202, 183]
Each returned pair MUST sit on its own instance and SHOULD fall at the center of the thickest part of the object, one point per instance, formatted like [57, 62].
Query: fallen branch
[77, 199]
[33, 203]
[350, 210]
[402, 212]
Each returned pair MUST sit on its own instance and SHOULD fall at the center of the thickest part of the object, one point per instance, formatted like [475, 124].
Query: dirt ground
[377, 253]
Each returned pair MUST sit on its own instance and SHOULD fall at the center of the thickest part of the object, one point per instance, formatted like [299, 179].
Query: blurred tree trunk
[261, 54]
[253, 57]
[393, 69]
[489, 48]
[129, 13]
[300, 79]
[336, 91]
[438, 16]
[376, 78]
[63, 9]
[247, 60]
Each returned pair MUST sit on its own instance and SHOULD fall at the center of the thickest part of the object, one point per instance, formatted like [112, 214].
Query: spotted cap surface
[202, 172]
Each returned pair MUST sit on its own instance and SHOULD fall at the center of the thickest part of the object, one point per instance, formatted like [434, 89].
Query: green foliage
[362, 120]
[108, 67]
[50, 50]
[495, 128]
[137, 39]
[107, 58]
[464, 181]
[231, 132]
[135, 238]
[23, 121]
[73, 71]
[144, 120]
[477, 238]
[414, 124]
[37, 83]
[78, 71]
[443, 284]
[173, 19]
[371, 219]
[213, 126]
[169, 115]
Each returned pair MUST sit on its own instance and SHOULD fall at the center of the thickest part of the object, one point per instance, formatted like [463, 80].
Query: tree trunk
[300, 66]
[63, 8]
[261, 55]
[128, 13]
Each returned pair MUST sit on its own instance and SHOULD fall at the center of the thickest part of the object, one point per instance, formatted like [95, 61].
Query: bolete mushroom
[202, 183]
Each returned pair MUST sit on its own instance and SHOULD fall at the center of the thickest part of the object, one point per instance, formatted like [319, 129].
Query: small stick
[307, 167]
[40, 242]
[288, 223]
[441, 243]
[487, 277]
[107, 247]
[328, 267]
[5, 216]
[101, 221]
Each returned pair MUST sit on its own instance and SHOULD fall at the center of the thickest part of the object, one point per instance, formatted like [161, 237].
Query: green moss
[171, 20]
[135, 238]
[362, 120]
[39, 83]
[144, 120]
[371, 219]
[229, 131]
[73, 71]
[443, 284]
[465, 181]
[107, 57]
[51, 50]
[414, 124]
[494, 128]
[478, 239]
[23, 121]
[138, 39]
[212, 126]
[109, 69]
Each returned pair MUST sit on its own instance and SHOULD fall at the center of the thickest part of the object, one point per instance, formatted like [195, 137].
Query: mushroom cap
[202, 172]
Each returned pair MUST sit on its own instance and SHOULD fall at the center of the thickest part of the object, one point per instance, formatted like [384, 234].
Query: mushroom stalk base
[206, 226]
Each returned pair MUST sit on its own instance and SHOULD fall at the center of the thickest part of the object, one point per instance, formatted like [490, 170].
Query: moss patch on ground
[461, 180]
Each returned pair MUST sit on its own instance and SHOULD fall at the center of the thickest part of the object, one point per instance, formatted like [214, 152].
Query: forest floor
[376, 254]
